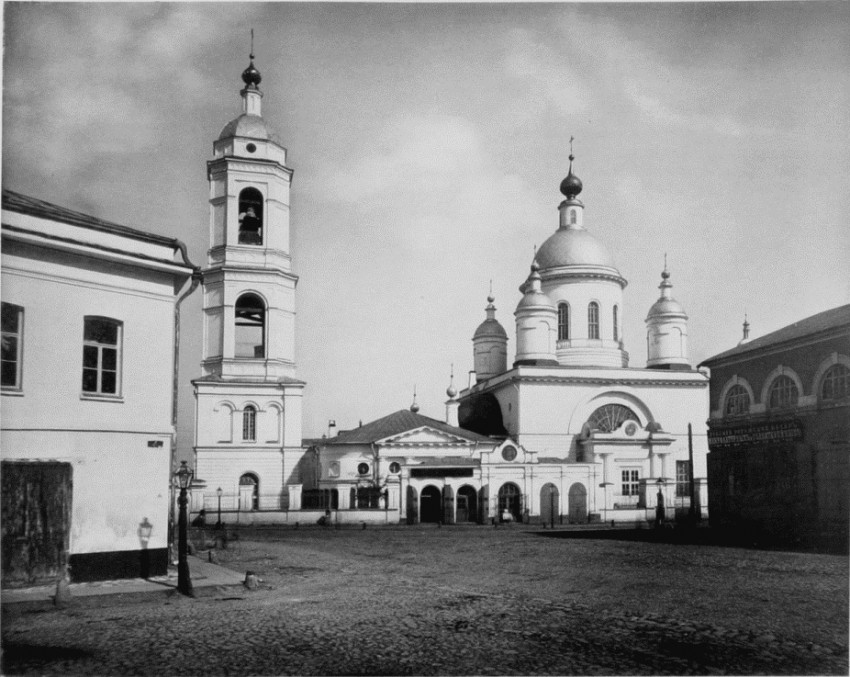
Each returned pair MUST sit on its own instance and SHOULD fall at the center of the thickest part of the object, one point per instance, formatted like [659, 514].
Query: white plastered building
[89, 312]
[248, 399]
[612, 440]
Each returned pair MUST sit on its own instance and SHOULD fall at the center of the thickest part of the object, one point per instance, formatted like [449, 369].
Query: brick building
[779, 434]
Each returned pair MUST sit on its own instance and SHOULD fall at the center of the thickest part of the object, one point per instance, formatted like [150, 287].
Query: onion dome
[251, 76]
[571, 185]
[533, 295]
[414, 407]
[491, 327]
[666, 305]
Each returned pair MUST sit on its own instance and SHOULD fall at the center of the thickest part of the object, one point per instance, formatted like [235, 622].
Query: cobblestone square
[458, 600]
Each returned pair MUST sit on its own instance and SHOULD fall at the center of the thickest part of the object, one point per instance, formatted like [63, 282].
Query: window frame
[829, 376]
[99, 369]
[593, 320]
[615, 314]
[249, 423]
[683, 478]
[788, 385]
[18, 335]
[563, 321]
[629, 481]
[736, 394]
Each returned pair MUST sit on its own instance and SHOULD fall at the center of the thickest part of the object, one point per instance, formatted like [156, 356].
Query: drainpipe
[196, 280]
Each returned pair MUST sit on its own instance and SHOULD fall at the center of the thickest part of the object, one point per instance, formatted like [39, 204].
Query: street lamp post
[218, 493]
[184, 479]
[552, 505]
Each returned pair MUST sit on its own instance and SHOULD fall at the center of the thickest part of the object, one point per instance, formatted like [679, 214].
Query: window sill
[95, 397]
[13, 392]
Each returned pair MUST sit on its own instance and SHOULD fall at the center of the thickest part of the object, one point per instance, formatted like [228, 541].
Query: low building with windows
[88, 360]
[779, 433]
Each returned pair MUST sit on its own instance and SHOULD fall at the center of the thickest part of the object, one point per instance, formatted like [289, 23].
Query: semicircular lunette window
[609, 417]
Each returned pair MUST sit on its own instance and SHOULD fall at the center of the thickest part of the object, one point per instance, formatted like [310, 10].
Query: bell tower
[248, 398]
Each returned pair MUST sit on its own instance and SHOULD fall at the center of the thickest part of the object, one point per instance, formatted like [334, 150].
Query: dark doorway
[36, 514]
[467, 504]
[430, 505]
[577, 498]
[510, 502]
[550, 510]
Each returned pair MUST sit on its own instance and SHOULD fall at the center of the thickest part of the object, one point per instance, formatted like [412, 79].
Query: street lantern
[218, 493]
[184, 479]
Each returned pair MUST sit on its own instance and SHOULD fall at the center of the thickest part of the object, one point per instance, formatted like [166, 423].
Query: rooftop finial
[665, 274]
[451, 391]
[251, 76]
[746, 330]
[571, 185]
[252, 44]
[414, 407]
[490, 297]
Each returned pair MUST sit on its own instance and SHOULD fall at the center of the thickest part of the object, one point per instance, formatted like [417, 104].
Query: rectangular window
[683, 478]
[13, 329]
[101, 356]
[631, 482]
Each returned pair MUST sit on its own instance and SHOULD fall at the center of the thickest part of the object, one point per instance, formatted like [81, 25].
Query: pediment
[425, 436]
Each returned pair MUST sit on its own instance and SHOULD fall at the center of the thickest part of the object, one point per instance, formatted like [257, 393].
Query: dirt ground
[462, 600]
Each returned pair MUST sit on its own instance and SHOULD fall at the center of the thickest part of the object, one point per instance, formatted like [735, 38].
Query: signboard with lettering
[725, 437]
[431, 472]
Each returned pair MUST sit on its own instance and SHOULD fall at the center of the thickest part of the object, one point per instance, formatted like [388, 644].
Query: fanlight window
[609, 417]
[250, 326]
[836, 383]
[249, 424]
[783, 393]
[737, 401]
[250, 216]
[563, 322]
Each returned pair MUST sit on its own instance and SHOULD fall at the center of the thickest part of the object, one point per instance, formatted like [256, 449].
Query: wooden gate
[36, 514]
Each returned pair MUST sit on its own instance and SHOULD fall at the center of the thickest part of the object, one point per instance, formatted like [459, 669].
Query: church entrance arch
[467, 504]
[249, 492]
[577, 498]
[430, 504]
[510, 502]
[550, 504]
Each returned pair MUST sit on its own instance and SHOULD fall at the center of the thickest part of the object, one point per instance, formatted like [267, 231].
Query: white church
[568, 433]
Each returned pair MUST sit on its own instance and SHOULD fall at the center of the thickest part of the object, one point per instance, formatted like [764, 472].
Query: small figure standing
[659, 509]
[201, 519]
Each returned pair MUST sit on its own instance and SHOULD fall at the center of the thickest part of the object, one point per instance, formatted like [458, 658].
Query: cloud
[547, 73]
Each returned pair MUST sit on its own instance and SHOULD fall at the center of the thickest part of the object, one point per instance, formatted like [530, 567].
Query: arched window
[593, 320]
[563, 322]
[250, 216]
[836, 383]
[249, 423]
[737, 401]
[609, 417]
[783, 393]
[250, 326]
[616, 324]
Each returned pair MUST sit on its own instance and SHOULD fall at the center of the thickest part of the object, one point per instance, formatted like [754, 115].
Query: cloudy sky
[428, 143]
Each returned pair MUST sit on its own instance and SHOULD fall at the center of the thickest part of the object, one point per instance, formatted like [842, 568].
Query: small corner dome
[490, 329]
[535, 299]
[251, 126]
[573, 247]
[665, 308]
